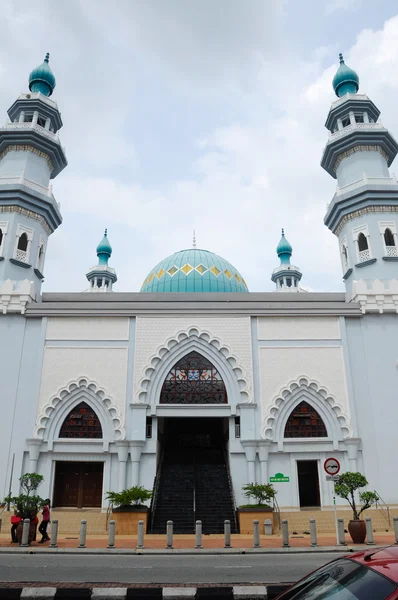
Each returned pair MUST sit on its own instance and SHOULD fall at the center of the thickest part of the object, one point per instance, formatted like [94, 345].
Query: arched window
[305, 422]
[1, 237]
[82, 422]
[388, 238]
[193, 380]
[344, 254]
[362, 243]
[23, 242]
[40, 257]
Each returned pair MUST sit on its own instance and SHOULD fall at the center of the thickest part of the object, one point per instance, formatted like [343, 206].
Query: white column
[352, 445]
[352, 117]
[365, 117]
[122, 452]
[339, 124]
[22, 116]
[35, 117]
[250, 447]
[135, 455]
[34, 453]
[263, 451]
[47, 125]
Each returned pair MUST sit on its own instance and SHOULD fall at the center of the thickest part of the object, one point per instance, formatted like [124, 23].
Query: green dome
[104, 249]
[346, 81]
[42, 79]
[284, 249]
[194, 270]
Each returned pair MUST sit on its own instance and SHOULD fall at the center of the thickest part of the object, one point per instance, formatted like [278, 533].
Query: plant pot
[357, 531]
[32, 533]
[126, 519]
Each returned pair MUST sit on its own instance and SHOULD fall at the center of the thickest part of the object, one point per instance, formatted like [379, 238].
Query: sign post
[332, 468]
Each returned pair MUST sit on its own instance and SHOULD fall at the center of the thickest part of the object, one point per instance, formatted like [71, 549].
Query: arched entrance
[193, 481]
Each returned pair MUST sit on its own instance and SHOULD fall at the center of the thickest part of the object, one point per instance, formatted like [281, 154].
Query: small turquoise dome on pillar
[346, 80]
[284, 250]
[104, 250]
[42, 78]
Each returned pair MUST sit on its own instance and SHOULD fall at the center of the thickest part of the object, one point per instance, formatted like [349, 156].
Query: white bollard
[256, 534]
[313, 532]
[83, 533]
[111, 534]
[369, 532]
[140, 535]
[227, 534]
[340, 532]
[54, 534]
[395, 523]
[198, 533]
[169, 534]
[25, 533]
[285, 534]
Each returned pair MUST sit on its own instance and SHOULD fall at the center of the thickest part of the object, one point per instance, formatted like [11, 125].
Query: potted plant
[346, 486]
[27, 504]
[128, 508]
[263, 494]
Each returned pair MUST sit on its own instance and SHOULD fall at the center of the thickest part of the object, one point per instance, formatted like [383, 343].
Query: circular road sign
[331, 466]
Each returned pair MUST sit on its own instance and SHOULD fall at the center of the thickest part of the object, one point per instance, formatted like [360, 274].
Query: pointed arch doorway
[193, 480]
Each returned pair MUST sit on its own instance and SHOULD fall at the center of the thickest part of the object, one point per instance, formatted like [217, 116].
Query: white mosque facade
[103, 390]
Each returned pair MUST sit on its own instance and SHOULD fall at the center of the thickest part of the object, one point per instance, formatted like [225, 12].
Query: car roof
[382, 560]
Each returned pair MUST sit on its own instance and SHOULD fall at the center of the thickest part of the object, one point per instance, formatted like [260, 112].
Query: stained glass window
[305, 422]
[193, 380]
[82, 422]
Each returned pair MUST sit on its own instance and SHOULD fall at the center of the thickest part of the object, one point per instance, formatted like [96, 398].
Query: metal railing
[155, 493]
[277, 512]
[383, 508]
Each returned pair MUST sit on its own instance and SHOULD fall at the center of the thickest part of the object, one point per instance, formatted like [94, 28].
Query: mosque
[194, 386]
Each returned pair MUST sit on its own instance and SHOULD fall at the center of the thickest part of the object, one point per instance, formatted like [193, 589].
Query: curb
[240, 592]
[181, 551]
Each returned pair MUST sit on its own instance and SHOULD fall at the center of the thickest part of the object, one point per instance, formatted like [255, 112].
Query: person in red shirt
[44, 522]
[15, 521]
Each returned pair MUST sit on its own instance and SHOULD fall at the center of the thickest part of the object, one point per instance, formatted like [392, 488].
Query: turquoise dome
[284, 249]
[194, 270]
[104, 249]
[346, 80]
[42, 78]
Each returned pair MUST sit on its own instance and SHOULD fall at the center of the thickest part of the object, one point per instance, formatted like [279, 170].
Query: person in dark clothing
[15, 521]
[44, 522]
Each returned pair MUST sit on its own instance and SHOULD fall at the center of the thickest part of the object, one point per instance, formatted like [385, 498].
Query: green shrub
[263, 493]
[346, 486]
[133, 496]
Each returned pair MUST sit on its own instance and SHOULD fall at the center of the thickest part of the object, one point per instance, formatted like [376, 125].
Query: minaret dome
[42, 78]
[346, 80]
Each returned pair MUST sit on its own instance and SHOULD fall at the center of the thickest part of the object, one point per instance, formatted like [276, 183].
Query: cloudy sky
[197, 114]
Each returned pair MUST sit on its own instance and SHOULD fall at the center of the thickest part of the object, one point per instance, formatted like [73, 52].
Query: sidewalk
[187, 542]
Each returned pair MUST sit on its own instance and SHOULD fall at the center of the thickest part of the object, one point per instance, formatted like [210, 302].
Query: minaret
[286, 276]
[30, 155]
[363, 213]
[102, 276]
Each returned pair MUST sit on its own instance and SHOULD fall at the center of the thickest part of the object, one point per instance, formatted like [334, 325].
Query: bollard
[169, 534]
[313, 532]
[227, 534]
[83, 533]
[140, 535]
[369, 532]
[198, 533]
[340, 532]
[25, 533]
[111, 534]
[285, 534]
[54, 534]
[395, 523]
[1, 522]
[256, 534]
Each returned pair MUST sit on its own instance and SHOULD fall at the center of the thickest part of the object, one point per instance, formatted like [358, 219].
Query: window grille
[82, 422]
[305, 422]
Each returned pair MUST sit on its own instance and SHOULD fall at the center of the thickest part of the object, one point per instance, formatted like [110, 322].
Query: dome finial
[104, 250]
[42, 78]
[194, 240]
[284, 249]
[346, 80]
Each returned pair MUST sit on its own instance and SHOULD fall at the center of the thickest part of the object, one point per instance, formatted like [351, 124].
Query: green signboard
[279, 478]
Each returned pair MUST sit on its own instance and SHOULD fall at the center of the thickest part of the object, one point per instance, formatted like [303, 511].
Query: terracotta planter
[32, 533]
[357, 531]
[126, 519]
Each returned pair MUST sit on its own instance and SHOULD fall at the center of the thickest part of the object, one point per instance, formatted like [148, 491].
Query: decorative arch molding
[55, 412]
[335, 419]
[219, 354]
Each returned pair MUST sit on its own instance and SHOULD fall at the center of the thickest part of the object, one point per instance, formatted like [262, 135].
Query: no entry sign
[331, 466]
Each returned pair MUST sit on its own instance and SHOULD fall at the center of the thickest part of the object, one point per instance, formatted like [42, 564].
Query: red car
[371, 574]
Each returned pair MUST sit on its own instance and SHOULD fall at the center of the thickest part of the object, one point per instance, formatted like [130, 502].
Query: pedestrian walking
[15, 521]
[45, 522]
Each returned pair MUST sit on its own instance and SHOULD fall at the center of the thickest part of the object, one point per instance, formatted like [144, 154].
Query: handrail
[108, 513]
[194, 489]
[277, 511]
[231, 488]
[156, 485]
[385, 510]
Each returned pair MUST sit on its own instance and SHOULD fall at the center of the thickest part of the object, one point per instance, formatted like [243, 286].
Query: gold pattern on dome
[215, 271]
[244, 282]
[186, 269]
[160, 274]
[228, 273]
[151, 276]
[172, 270]
[238, 277]
[201, 269]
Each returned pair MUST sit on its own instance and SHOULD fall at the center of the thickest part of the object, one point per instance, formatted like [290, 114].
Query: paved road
[224, 569]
